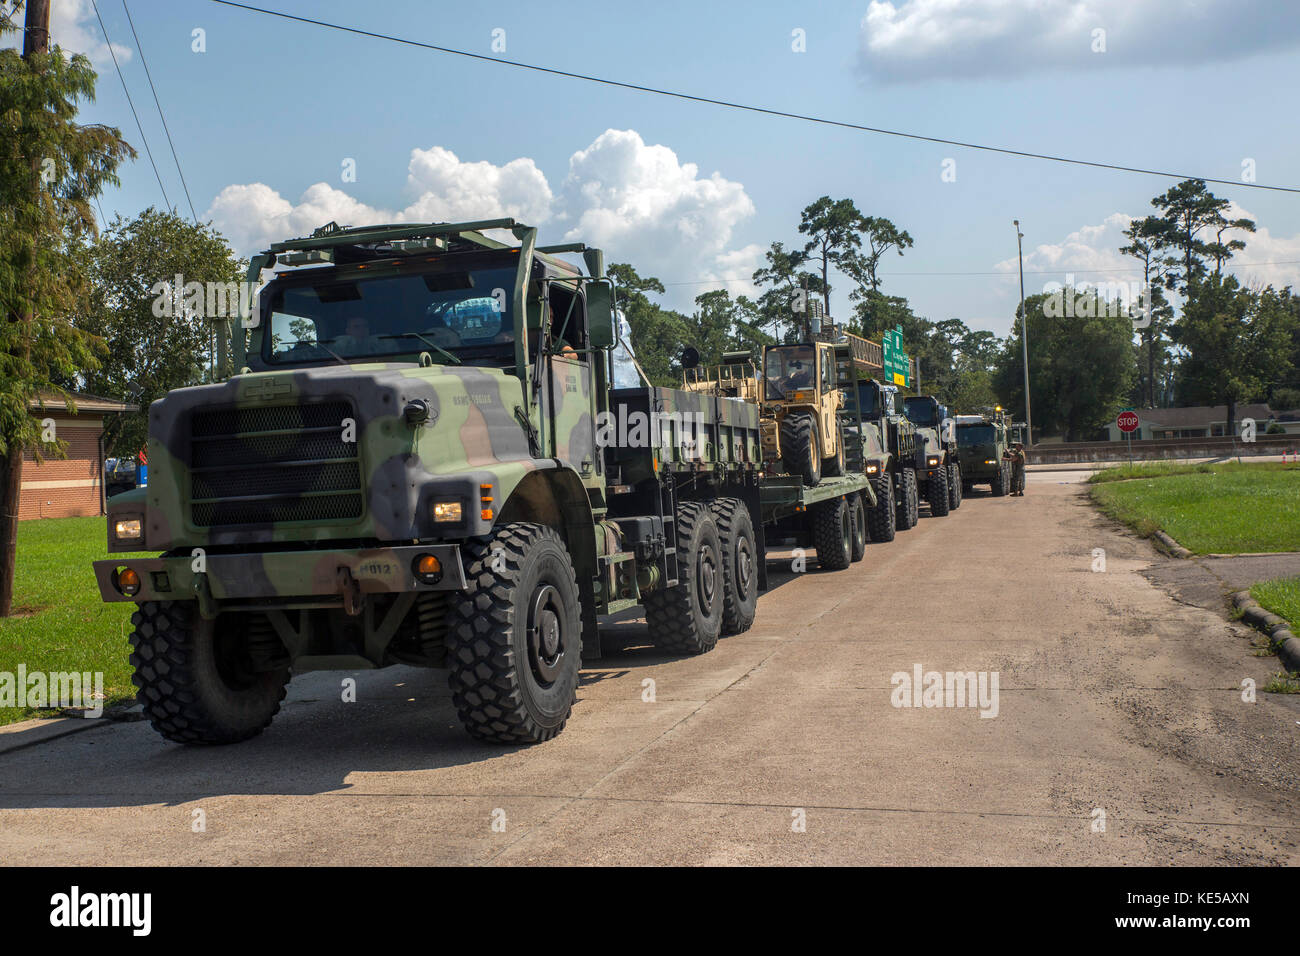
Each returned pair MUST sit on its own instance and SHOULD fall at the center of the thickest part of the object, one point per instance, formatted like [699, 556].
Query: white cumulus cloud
[639, 202]
[924, 39]
[1090, 255]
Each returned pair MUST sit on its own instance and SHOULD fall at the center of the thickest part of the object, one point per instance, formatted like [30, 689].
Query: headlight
[932, 461]
[446, 511]
[989, 461]
[872, 469]
[128, 529]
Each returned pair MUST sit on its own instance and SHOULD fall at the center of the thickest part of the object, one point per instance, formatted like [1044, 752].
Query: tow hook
[351, 592]
[203, 594]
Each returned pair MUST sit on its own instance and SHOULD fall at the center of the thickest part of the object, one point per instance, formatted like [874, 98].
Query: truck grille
[272, 464]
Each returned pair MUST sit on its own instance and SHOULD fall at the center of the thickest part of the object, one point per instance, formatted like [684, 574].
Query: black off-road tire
[999, 484]
[909, 504]
[936, 489]
[193, 677]
[739, 564]
[882, 520]
[858, 517]
[800, 448]
[687, 617]
[954, 486]
[833, 535]
[833, 467]
[514, 639]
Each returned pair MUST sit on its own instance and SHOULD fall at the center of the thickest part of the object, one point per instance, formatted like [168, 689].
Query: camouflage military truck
[981, 442]
[890, 447]
[938, 471]
[421, 460]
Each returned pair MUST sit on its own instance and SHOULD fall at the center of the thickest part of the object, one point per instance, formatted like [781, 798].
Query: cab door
[831, 400]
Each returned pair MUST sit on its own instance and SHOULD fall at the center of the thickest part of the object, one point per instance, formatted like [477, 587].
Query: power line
[1227, 266]
[145, 64]
[144, 139]
[746, 107]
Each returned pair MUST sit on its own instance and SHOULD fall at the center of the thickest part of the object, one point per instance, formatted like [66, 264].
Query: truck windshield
[974, 434]
[789, 368]
[388, 315]
[867, 399]
[920, 411]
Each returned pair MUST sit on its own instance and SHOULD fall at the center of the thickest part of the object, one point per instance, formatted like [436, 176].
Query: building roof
[1200, 416]
[84, 402]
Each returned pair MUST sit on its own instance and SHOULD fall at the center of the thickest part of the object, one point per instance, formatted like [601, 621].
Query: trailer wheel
[908, 505]
[936, 493]
[858, 518]
[196, 679]
[833, 535]
[834, 466]
[882, 520]
[954, 485]
[739, 564]
[515, 639]
[999, 484]
[687, 617]
[801, 448]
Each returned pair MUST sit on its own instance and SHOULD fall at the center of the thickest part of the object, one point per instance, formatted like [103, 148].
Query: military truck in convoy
[890, 452]
[421, 459]
[982, 443]
[938, 471]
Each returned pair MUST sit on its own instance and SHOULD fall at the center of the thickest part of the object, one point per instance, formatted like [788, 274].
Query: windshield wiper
[406, 335]
[335, 355]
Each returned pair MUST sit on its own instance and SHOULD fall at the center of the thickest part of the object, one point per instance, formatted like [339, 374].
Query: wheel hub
[546, 638]
[707, 578]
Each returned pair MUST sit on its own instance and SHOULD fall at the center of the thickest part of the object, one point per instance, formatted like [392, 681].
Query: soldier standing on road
[1018, 469]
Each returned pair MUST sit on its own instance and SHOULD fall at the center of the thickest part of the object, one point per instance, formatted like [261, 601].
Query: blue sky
[264, 120]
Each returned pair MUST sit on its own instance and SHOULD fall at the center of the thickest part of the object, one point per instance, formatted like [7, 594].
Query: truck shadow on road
[401, 721]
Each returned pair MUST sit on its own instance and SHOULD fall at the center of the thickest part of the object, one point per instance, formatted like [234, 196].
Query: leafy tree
[1237, 343]
[881, 235]
[657, 334]
[969, 388]
[51, 168]
[1147, 244]
[833, 228]
[722, 324]
[1186, 211]
[1080, 368]
[158, 337]
[786, 279]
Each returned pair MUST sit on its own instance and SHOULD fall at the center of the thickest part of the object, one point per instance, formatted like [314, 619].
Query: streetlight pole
[1024, 332]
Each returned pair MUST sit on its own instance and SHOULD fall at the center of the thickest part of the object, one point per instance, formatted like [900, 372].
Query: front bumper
[282, 577]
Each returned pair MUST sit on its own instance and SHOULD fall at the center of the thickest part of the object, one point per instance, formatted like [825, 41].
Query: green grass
[60, 623]
[1223, 508]
[1282, 597]
[1163, 469]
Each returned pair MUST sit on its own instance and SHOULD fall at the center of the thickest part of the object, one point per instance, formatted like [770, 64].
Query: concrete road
[1117, 705]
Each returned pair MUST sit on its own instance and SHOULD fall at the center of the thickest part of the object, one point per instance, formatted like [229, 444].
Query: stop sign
[1127, 421]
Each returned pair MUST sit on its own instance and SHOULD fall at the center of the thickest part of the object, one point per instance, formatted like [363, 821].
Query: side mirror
[600, 315]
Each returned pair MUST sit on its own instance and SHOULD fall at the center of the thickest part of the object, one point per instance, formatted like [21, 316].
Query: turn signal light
[428, 568]
[128, 582]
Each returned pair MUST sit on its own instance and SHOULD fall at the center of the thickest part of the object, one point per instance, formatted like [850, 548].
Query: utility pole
[36, 32]
[36, 41]
[1024, 332]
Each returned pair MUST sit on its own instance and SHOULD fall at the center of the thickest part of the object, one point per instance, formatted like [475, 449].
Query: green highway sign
[895, 363]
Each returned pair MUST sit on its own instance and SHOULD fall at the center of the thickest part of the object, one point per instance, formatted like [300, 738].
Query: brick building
[72, 486]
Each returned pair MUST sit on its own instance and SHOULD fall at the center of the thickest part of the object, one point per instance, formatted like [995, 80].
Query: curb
[1284, 642]
[1173, 547]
